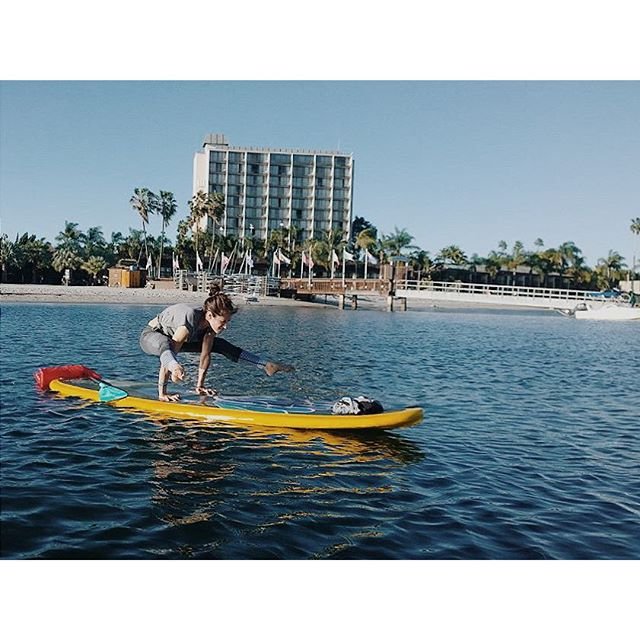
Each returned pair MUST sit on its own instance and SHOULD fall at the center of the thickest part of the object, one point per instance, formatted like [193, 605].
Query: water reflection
[356, 446]
[212, 485]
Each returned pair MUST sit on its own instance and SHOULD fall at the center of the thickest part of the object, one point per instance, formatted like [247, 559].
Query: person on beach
[182, 327]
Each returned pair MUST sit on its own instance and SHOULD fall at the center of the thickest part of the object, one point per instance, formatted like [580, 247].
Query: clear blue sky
[466, 163]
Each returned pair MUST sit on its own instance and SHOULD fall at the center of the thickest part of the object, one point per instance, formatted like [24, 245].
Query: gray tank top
[180, 315]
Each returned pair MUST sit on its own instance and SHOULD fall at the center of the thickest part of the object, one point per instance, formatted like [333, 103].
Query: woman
[182, 327]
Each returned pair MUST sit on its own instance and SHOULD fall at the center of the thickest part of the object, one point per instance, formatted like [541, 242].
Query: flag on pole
[148, 267]
[176, 264]
[347, 256]
[199, 266]
[276, 258]
[334, 262]
[307, 260]
[369, 258]
[224, 261]
[283, 258]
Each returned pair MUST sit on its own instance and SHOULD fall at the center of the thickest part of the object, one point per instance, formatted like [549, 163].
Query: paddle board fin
[107, 393]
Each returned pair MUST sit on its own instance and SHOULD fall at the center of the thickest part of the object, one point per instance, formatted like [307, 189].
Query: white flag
[334, 258]
[198, 262]
[347, 256]
[249, 260]
[224, 261]
[176, 263]
[276, 259]
[369, 258]
[283, 258]
[148, 263]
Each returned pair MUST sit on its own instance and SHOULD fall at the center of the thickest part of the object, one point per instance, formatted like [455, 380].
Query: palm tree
[554, 261]
[398, 241]
[332, 240]
[93, 265]
[611, 266]
[68, 253]
[204, 205]
[114, 249]
[516, 258]
[167, 208]
[635, 229]
[65, 257]
[6, 255]
[502, 249]
[452, 254]
[71, 236]
[420, 261]
[133, 244]
[366, 238]
[145, 202]
[94, 242]
[492, 264]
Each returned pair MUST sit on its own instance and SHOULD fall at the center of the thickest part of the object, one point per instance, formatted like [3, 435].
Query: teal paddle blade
[107, 393]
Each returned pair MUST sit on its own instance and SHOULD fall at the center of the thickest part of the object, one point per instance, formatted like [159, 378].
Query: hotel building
[267, 189]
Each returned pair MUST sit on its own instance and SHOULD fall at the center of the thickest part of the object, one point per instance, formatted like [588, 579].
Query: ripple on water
[529, 446]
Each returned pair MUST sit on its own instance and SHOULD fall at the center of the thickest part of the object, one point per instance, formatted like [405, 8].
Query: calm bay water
[530, 447]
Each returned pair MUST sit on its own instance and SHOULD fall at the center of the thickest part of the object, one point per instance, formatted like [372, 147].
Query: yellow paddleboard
[208, 412]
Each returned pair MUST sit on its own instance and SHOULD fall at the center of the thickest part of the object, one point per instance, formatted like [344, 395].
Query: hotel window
[280, 159]
[302, 161]
[301, 172]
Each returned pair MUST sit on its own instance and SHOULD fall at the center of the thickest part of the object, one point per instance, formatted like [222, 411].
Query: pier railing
[337, 286]
[493, 294]
[233, 283]
[460, 292]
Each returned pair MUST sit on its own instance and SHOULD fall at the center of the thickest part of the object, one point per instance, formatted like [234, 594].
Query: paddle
[108, 393]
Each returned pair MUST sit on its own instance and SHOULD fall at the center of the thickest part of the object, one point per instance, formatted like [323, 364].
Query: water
[529, 448]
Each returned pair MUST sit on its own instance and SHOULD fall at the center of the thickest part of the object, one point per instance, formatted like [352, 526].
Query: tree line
[88, 254]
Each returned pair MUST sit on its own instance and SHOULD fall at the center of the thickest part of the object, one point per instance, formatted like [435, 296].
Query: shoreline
[61, 294]
[57, 294]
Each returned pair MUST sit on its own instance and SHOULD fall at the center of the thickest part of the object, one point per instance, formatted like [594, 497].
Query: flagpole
[366, 261]
[344, 262]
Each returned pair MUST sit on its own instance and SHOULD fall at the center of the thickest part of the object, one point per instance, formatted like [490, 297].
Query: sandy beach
[49, 293]
[60, 294]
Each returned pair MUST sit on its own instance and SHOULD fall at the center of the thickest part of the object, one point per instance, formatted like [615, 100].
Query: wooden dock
[399, 293]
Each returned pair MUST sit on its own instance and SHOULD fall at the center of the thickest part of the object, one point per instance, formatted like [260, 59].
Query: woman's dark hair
[218, 303]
